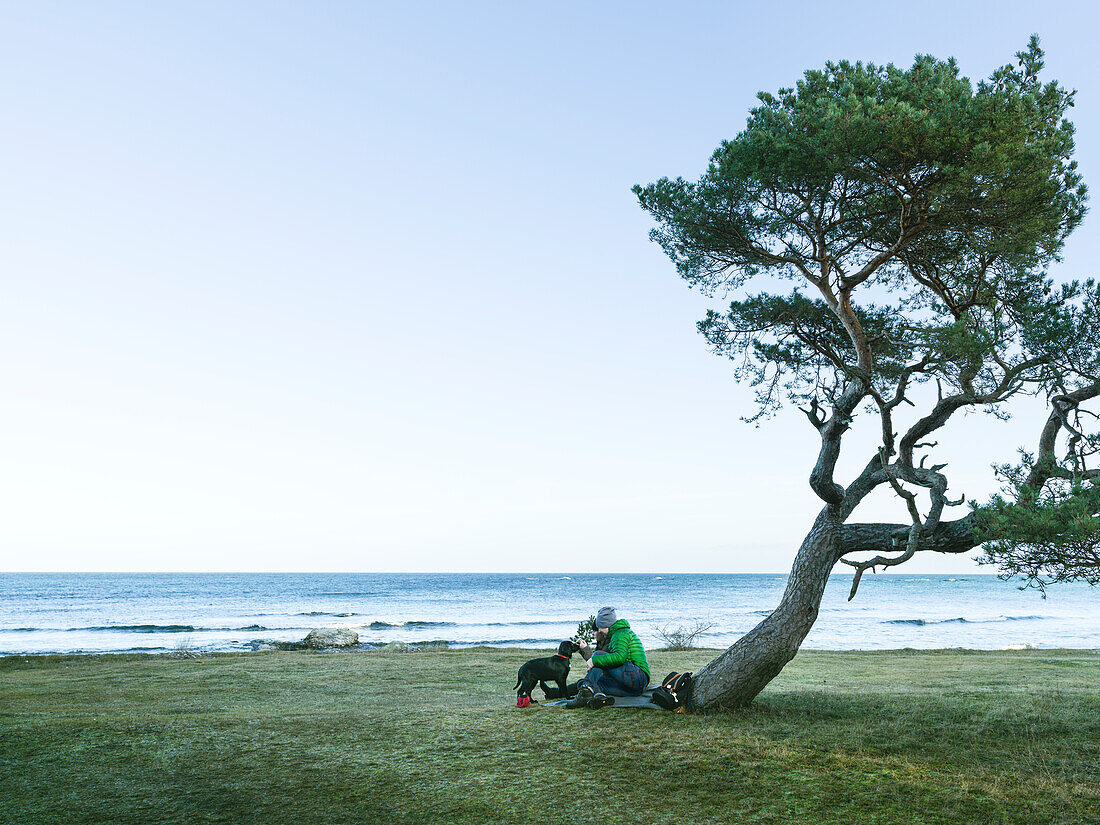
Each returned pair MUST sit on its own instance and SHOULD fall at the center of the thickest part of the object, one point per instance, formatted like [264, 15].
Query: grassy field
[891, 737]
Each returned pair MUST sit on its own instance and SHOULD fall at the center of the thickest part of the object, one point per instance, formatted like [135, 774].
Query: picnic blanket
[642, 701]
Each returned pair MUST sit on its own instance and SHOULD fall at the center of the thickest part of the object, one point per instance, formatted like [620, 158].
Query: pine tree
[914, 217]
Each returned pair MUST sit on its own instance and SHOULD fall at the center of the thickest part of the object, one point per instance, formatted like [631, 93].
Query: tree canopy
[898, 226]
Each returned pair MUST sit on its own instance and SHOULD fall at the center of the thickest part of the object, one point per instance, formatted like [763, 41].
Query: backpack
[674, 693]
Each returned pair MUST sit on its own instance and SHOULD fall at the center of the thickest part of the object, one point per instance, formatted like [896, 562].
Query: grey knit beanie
[605, 618]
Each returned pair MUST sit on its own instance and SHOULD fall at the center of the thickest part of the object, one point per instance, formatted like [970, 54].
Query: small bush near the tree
[682, 637]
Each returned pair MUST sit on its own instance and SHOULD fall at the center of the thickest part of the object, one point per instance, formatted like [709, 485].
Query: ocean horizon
[209, 612]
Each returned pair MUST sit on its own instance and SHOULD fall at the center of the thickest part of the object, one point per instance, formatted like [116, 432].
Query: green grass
[891, 737]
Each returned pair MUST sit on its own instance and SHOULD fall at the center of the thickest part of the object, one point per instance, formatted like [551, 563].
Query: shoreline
[155, 613]
[410, 649]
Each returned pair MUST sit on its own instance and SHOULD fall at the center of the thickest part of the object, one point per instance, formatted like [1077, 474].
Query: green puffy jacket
[623, 645]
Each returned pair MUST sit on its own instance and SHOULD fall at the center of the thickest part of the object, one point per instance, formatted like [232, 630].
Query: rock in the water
[324, 637]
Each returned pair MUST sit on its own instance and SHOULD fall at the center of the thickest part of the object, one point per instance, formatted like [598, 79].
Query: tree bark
[741, 672]
[947, 537]
[735, 678]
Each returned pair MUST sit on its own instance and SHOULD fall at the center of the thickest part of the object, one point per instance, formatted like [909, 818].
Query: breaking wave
[962, 620]
[143, 628]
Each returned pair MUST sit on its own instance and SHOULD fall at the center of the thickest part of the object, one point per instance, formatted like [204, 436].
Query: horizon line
[459, 573]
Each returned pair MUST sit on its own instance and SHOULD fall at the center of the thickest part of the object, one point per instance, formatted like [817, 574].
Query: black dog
[551, 669]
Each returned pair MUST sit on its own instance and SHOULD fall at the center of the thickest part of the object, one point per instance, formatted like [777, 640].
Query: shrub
[586, 630]
[682, 637]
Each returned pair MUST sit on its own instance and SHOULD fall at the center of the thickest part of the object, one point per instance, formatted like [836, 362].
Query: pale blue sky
[353, 286]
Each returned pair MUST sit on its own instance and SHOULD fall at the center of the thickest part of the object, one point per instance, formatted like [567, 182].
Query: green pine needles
[880, 228]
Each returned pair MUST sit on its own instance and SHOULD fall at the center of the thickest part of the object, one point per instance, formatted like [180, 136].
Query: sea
[205, 612]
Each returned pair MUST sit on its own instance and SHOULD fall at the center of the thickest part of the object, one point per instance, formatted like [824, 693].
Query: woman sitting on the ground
[618, 667]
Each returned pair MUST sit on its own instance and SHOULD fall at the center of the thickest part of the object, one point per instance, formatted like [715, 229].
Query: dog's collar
[562, 656]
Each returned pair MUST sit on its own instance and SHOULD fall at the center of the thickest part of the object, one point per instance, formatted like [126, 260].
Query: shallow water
[101, 612]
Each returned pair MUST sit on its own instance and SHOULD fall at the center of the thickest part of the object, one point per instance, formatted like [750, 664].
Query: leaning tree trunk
[741, 672]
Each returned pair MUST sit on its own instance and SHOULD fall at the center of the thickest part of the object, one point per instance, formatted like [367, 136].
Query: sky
[363, 287]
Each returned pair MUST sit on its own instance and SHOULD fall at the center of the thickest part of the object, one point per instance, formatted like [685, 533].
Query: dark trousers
[625, 680]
